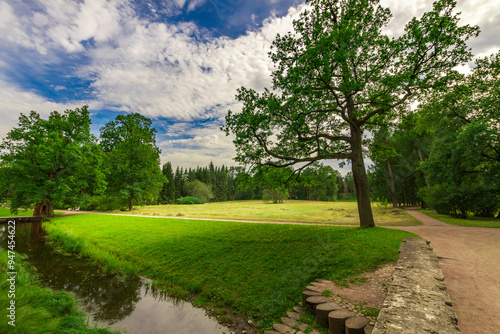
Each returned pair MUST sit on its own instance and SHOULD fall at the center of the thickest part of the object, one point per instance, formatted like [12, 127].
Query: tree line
[57, 162]
[342, 89]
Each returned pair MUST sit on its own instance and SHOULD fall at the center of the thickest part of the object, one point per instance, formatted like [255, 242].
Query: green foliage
[212, 258]
[167, 194]
[275, 181]
[38, 309]
[132, 158]
[190, 200]
[275, 195]
[52, 161]
[319, 182]
[338, 74]
[104, 202]
[463, 167]
[397, 152]
[199, 189]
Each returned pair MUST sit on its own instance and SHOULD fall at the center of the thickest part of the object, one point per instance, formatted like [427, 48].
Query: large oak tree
[339, 74]
[47, 161]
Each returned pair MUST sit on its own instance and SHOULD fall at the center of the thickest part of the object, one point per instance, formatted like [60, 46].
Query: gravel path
[470, 261]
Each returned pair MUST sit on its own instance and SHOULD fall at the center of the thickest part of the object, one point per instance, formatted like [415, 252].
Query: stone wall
[417, 300]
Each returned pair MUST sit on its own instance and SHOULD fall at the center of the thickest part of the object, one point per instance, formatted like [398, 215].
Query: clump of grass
[40, 310]
[366, 310]
[327, 293]
[254, 270]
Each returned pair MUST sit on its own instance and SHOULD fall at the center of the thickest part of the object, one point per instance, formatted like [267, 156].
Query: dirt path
[470, 260]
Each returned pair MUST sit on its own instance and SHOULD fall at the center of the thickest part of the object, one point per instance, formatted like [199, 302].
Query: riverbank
[256, 271]
[38, 310]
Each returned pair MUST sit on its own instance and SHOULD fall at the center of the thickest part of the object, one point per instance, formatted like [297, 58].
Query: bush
[100, 203]
[190, 200]
[459, 201]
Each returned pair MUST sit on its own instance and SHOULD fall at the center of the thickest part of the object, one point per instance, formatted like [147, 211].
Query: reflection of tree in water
[108, 298]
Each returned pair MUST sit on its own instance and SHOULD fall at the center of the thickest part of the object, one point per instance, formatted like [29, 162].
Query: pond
[127, 303]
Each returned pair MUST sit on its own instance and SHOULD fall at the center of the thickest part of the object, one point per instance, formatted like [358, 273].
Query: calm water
[124, 303]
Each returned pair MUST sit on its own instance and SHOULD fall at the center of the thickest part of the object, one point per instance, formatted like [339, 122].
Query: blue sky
[176, 61]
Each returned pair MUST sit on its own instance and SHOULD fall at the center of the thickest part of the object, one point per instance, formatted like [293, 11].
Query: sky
[178, 62]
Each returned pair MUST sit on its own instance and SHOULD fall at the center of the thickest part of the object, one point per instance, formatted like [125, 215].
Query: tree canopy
[47, 161]
[337, 75]
[132, 158]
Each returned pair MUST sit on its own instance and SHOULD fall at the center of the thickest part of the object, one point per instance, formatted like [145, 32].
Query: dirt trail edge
[470, 261]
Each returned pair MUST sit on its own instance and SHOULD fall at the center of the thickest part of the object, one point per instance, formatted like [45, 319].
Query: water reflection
[127, 303]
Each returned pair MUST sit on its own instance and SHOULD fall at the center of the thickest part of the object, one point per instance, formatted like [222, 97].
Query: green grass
[5, 212]
[255, 270]
[39, 310]
[471, 221]
[338, 213]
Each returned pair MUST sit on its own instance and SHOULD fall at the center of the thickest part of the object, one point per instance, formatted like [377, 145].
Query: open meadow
[314, 212]
[254, 270]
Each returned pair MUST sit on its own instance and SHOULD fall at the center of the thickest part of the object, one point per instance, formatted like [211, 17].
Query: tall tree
[337, 75]
[53, 160]
[167, 194]
[132, 157]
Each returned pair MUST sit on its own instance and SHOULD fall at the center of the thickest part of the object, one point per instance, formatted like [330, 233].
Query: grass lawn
[39, 310]
[254, 270]
[471, 221]
[337, 213]
[5, 212]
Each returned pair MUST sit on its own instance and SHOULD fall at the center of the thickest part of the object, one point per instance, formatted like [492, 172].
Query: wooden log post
[322, 311]
[355, 325]
[308, 293]
[336, 321]
[314, 301]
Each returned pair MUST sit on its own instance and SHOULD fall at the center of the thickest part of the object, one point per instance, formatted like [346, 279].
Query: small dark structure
[41, 209]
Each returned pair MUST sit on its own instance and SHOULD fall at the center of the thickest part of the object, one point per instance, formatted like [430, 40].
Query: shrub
[190, 200]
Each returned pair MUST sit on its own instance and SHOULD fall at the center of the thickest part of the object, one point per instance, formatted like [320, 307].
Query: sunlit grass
[336, 213]
[255, 270]
[5, 212]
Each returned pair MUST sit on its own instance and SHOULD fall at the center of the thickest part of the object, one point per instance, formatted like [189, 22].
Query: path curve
[470, 261]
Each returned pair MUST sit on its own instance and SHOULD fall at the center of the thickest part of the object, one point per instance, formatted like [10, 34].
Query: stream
[127, 304]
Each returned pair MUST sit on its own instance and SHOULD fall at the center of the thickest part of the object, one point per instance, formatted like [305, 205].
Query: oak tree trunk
[360, 179]
[130, 203]
[50, 209]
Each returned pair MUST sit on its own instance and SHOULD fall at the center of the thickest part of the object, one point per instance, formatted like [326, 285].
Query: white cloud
[177, 71]
[484, 13]
[15, 101]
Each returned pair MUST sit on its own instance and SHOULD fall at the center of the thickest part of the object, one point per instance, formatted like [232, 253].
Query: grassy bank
[255, 270]
[5, 212]
[338, 213]
[471, 221]
[39, 309]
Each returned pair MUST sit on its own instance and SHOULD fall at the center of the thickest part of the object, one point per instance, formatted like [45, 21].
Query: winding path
[470, 261]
